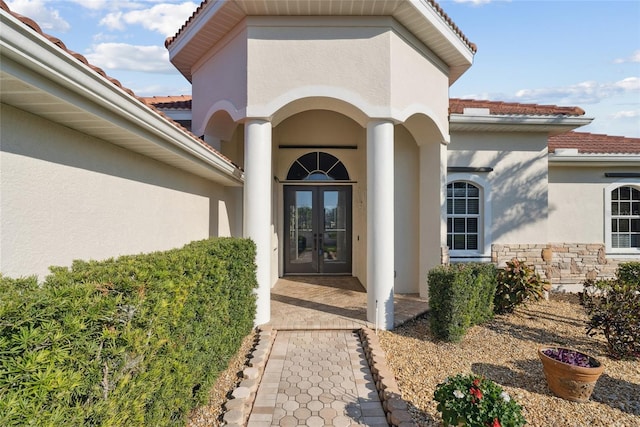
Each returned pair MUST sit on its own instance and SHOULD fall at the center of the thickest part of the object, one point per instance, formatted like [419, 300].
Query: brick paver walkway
[317, 378]
[316, 374]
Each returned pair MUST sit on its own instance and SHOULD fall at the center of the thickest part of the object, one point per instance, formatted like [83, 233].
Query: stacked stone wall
[565, 265]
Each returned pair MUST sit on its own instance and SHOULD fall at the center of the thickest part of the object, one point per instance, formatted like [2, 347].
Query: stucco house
[323, 132]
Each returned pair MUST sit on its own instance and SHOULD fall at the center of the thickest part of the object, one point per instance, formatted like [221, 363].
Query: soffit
[43, 79]
[423, 18]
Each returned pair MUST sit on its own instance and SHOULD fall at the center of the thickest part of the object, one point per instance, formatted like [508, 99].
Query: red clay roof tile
[457, 106]
[594, 143]
[177, 102]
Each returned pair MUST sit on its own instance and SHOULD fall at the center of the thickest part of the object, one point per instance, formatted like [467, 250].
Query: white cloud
[113, 21]
[122, 56]
[589, 92]
[627, 114]
[114, 4]
[48, 18]
[634, 57]
[164, 18]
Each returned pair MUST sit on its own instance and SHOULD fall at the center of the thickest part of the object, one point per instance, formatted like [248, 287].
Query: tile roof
[56, 41]
[177, 102]
[594, 143]
[433, 4]
[457, 106]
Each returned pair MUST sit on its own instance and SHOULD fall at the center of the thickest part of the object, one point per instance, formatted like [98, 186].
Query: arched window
[623, 218]
[463, 216]
[317, 166]
[468, 217]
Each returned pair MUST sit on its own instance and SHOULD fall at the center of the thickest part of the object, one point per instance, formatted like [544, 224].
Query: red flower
[476, 382]
[476, 392]
[495, 423]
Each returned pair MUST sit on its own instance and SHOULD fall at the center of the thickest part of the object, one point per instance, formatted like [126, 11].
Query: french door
[317, 229]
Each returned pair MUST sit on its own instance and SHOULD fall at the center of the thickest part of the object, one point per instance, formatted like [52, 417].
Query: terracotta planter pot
[567, 381]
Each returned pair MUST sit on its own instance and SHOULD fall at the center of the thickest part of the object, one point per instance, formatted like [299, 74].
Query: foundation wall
[565, 265]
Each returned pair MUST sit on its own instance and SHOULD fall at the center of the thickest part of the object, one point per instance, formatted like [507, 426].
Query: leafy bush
[629, 272]
[613, 307]
[137, 340]
[460, 296]
[475, 401]
[517, 284]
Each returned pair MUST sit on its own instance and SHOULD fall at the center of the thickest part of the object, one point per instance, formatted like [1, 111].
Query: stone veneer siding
[565, 265]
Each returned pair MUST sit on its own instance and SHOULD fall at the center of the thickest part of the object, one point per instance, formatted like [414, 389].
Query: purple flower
[570, 357]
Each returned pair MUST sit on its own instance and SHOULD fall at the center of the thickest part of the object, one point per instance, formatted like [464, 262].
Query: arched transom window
[317, 166]
[463, 216]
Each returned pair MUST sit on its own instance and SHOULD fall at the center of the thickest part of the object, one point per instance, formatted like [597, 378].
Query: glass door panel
[301, 256]
[317, 229]
[336, 244]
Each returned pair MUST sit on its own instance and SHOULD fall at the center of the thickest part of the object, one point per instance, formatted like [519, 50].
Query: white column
[380, 223]
[257, 207]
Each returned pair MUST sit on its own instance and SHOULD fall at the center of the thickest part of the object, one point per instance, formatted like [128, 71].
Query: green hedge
[133, 341]
[460, 296]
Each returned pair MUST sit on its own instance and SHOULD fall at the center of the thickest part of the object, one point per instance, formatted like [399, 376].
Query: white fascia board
[594, 160]
[492, 122]
[465, 53]
[50, 66]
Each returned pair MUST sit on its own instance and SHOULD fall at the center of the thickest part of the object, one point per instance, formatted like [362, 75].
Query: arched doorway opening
[317, 216]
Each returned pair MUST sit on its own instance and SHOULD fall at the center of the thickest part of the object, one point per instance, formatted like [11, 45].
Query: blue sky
[572, 52]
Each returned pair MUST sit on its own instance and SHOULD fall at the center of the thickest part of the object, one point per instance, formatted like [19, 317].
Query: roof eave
[431, 29]
[515, 123]
[76, 94]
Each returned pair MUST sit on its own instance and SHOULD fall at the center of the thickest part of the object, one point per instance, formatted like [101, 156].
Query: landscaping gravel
[504, 350]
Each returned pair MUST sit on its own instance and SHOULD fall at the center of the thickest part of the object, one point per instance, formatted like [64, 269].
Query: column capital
[380, 120]
[256, 120]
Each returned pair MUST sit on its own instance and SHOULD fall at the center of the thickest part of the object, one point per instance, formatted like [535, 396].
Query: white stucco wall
[372, 64]
[220, 80]
[65, 195]
[293, 61]
[577, 201]
[419, 80]
[519, 181]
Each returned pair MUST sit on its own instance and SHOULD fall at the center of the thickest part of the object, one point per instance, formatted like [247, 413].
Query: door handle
[315, 242]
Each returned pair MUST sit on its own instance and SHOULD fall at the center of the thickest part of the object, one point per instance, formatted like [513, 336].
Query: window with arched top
[468, 217]
[622, 216]
[463, 216]
[317, 166]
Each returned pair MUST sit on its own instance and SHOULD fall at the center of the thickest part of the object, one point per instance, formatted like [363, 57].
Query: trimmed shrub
[613, 307]
[137, 340]
[460, 296]
[517, 284]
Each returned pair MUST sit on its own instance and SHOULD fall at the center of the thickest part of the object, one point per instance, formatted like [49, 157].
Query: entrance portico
[369, 90]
